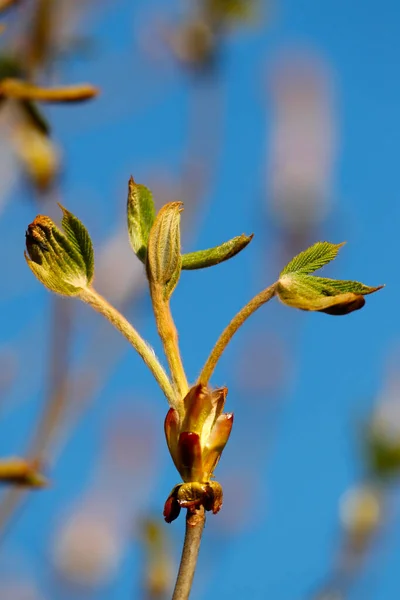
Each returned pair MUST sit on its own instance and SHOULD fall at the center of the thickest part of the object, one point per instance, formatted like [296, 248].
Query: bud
[191, 496]
[20, 472]
[141, 215]
[62, 261]
[196, 440]
[216, 255]
[164, 248]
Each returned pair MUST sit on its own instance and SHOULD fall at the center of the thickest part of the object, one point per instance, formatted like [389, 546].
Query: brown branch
[195, 521]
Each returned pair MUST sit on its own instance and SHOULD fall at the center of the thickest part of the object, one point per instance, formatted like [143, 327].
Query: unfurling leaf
[164, 259]
[63, 262]
[141, 215]
[216, 255]
[298, 289]
[20, 472]
[313, 258]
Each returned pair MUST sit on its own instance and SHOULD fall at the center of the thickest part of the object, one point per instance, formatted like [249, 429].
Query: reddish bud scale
[191, 496]
[190, 456]
[196, 442]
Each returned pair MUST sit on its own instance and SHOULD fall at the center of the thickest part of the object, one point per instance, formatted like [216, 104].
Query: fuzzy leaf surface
[140, 216]
[213, 256]
[312, 259]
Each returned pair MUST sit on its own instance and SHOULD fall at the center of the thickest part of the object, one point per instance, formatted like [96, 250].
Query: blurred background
[275, 118]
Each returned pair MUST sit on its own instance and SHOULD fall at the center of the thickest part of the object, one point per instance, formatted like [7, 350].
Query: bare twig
[195, 521]
[231, 329]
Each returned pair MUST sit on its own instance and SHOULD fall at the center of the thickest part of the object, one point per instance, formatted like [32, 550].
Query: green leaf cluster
[62, 260]
[298, 288]
[161, 232]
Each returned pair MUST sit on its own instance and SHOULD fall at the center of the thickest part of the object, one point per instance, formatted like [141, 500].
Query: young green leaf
[164, 259]
[79, 237]
[140, 215]
[313, 258]
[213, 256]
[298, 289]
[63, 262]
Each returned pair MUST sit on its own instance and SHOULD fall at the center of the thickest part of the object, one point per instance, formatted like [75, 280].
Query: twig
[195, 521]
[169, 337]
[231, 329]
[98, 303]
[21, 90]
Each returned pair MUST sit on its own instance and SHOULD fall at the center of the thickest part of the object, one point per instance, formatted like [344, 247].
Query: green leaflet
[213, 256]
[140, 216]
[333, 287]
[79, 237]
[313, 258]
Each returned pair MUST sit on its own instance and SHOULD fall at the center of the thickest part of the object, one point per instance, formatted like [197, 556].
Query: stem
[231, 329]
[195, 521]
[96, 301]
[169, 337]
[15, 88]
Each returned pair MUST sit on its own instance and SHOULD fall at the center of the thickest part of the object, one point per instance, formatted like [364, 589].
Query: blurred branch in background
[28, 131]
[56, 401]
[197, 41]
[366, 510]
[28, 50]
[158, 567]
[89, 543]
[302, 153]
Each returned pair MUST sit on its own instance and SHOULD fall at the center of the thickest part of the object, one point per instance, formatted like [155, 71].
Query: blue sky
[304, 433]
